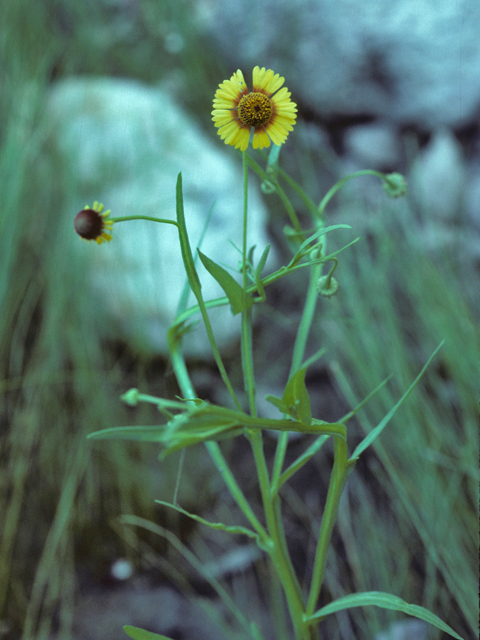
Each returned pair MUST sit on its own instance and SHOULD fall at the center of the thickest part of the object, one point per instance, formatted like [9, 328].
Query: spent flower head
[92, 223]
[267, 109]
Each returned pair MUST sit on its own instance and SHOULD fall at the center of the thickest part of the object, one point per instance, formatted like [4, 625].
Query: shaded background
[380, 85]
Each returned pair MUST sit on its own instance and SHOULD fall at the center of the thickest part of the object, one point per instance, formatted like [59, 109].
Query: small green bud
[394, 185]
[130, 397]
[268, 187]
[327, 286]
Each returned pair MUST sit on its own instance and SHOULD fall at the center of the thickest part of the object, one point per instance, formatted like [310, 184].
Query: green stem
[340, 472]
[278, 551]
[186, 387]
[328, 196]
[246, 337]
[297, 359]
[149, 218]
[288, 206]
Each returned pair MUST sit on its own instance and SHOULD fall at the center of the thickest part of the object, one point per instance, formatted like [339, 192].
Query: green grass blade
[366, 442]
[140, 634]
[361, 404]
[385, 601]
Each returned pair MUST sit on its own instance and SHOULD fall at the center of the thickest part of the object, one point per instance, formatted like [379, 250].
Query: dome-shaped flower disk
[267, 108]
[93, 224]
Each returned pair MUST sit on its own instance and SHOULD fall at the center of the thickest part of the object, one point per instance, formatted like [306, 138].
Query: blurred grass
[408, 523]
[58, 494]
[410, 518]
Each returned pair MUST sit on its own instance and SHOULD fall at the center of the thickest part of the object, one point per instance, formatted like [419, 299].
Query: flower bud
[394, 185]
[327, 286]
[130, 397]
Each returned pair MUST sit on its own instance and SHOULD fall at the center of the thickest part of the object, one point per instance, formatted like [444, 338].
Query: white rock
[126, 143]
[405, 630]
[413, 61]
[373, 146]
[438, 177]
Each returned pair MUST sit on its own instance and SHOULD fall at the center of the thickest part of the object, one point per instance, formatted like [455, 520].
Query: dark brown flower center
[89, 224]
[255, 109]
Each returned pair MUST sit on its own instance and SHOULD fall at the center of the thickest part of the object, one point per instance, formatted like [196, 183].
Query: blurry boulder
[438, 176]
[437, 184]
[126, 143]
[373, 146]
[406, 62]
[472, 190]
[406, 630]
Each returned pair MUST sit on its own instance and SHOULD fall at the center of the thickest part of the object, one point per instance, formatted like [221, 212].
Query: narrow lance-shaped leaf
[140, 634]
[230, 286]
[218, 526]
[204, 421]
[385, 601]
[195, 285]
[259, 270]
[296, 398]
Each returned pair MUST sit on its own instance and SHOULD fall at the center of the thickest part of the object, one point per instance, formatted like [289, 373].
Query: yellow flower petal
[233, 112]
[260, 139]
[224, 117]
[266, 81]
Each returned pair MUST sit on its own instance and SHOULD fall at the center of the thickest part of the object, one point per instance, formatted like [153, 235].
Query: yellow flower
[268, 109]
[93, 224]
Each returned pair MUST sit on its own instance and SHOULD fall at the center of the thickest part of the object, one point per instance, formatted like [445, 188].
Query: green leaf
[322, 232]
[316, 356]
[305, 245]
[263, 260]
[366, 442]
[385, 601]
[141, 634]
[203, 421]
[219, 526]
[278, 402]
[185, 249]
[196, 287]
[141, 434]
[296, 398]
[233, 290]
[258, 272]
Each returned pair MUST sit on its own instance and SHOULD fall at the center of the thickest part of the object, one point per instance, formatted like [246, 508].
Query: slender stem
[265, 176]
[186, 387]
[246, 338]
[340, 473]
[297, 359]
[149, 218]
[306, 320]
[328, 196]
[279, 551]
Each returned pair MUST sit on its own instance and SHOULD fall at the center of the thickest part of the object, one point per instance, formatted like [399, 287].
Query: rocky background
[386, 86]
[110, 100]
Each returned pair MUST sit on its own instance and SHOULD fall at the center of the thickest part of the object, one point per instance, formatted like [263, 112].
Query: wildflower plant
[267, 112]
